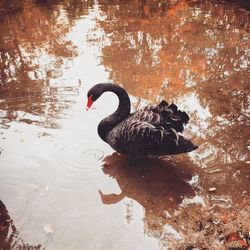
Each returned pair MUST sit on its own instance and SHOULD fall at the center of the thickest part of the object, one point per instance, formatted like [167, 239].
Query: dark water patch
[9, 235]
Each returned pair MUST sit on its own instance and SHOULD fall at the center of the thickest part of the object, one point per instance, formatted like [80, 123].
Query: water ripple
[93, 156]
[80, 161]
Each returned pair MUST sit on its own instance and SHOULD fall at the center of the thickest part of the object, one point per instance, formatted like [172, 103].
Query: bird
[154, 130]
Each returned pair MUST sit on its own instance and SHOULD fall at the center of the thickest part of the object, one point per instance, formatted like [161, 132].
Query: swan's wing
[142, 137]
[162, 115]
[148, 116]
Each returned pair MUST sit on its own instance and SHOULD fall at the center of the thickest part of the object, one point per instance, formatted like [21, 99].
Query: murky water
[61, 187]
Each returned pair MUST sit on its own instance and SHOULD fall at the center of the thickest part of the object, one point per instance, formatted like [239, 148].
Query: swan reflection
[154, 183]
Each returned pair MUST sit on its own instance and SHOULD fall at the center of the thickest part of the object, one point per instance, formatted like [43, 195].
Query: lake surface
[61, 186]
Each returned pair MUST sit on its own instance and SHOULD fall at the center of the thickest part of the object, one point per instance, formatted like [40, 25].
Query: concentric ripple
[92, 156]
[79, 161]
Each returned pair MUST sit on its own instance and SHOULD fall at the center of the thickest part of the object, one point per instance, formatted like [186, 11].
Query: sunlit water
[62, 186]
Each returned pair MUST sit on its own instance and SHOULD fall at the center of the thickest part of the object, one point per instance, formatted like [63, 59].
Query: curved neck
[122, 112]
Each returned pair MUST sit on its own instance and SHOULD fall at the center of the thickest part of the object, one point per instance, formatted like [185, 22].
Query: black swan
[153, 130]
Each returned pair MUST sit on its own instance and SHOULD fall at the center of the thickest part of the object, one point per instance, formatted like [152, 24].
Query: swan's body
[153, 130]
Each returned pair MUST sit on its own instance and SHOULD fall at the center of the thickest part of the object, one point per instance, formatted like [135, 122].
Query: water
[56, 171]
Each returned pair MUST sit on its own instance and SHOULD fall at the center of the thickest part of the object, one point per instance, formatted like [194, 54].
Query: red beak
[89, 103]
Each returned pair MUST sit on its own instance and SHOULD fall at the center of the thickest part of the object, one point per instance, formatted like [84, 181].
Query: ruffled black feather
[152, 130]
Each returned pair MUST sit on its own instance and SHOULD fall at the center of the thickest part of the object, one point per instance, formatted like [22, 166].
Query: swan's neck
[122, 112]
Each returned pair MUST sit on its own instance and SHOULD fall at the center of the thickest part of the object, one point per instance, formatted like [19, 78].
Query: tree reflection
[197, 49]
[33, 51]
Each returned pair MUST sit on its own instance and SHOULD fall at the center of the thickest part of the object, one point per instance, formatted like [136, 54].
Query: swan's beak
[89, 103]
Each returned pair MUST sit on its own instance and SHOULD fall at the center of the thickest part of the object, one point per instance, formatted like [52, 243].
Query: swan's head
[93, 94]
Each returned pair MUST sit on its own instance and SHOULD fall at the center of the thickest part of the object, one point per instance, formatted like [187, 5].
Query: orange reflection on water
[193, 53]
[195, 50]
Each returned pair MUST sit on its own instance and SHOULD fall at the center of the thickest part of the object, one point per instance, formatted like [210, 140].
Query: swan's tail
[173, 116]
[186, 145]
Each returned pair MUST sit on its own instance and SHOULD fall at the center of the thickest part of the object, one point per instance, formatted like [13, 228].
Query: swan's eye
[93, 97]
